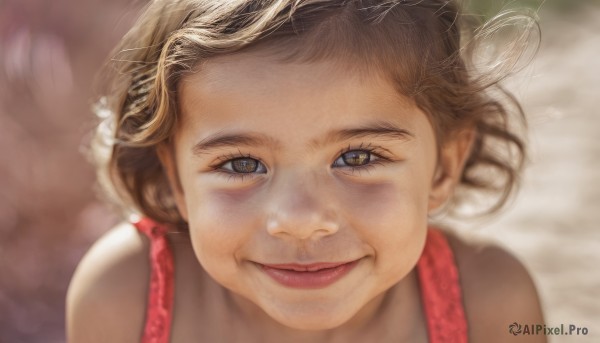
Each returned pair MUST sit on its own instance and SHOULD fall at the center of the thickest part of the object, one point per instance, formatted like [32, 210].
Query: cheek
[225, 209]
[220, 223]
[400, 200]
[392, 217]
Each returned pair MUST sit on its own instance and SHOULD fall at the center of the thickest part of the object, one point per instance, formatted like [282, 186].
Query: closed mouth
[308, 276]
[313, 267]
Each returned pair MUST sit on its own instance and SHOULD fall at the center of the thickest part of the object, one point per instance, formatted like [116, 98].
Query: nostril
[301, 227]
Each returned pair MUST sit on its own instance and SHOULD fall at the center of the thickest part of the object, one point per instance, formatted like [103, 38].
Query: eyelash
[222, 160]
[378, 152]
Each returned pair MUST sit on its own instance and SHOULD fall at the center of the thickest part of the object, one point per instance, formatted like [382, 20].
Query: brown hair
[424, 46]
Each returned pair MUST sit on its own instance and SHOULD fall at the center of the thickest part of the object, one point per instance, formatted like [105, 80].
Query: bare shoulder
[107, 294]
[497, 289]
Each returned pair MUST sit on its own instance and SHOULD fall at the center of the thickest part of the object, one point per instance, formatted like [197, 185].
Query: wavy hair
[427, 48]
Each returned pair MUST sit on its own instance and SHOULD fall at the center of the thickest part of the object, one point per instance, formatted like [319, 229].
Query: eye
[244, 165]
[354, 158]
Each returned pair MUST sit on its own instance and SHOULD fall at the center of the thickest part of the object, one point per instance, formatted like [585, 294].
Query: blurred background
[50, 213]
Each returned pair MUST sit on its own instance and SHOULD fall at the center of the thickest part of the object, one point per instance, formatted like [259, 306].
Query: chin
[308, 321]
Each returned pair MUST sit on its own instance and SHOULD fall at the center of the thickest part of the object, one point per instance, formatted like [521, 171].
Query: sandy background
[553, 226]
[49, 215]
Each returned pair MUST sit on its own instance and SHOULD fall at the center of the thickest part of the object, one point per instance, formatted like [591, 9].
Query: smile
[312, 276]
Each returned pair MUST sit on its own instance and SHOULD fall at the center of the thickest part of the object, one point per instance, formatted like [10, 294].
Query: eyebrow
[220, 140]
[381, 130]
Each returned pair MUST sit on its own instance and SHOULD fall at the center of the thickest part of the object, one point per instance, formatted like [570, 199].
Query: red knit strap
[160, 295]
[441, 292]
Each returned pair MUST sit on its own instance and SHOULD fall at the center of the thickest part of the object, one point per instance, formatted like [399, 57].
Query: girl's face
[279, 163]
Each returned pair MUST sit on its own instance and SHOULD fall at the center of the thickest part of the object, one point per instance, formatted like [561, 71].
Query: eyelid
[221, 160]
[259, 164]
[231, 174]
[230, 162]
[381, 153]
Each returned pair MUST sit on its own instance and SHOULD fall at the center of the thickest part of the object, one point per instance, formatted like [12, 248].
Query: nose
[300, 208]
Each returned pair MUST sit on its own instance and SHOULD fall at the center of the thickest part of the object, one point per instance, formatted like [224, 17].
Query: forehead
[257, 76]
[288, 101]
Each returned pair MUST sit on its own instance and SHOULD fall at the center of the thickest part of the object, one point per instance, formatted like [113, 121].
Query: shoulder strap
[440, 291]
[160, 294]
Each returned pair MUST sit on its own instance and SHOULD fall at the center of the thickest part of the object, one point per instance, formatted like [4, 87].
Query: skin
[298, 208]
[302, 204]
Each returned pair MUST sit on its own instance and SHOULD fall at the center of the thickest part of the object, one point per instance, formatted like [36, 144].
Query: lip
[308, 276]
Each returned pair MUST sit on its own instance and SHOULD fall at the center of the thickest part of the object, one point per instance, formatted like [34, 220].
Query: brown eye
[354, 158]
[243, 165]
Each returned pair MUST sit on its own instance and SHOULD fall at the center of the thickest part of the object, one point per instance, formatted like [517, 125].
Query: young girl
[284, 158]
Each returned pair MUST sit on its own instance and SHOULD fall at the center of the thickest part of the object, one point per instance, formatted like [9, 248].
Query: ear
[452, 158]
[166, 155]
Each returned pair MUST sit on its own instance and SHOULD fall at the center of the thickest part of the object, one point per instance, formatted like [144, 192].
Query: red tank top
[438, 278]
